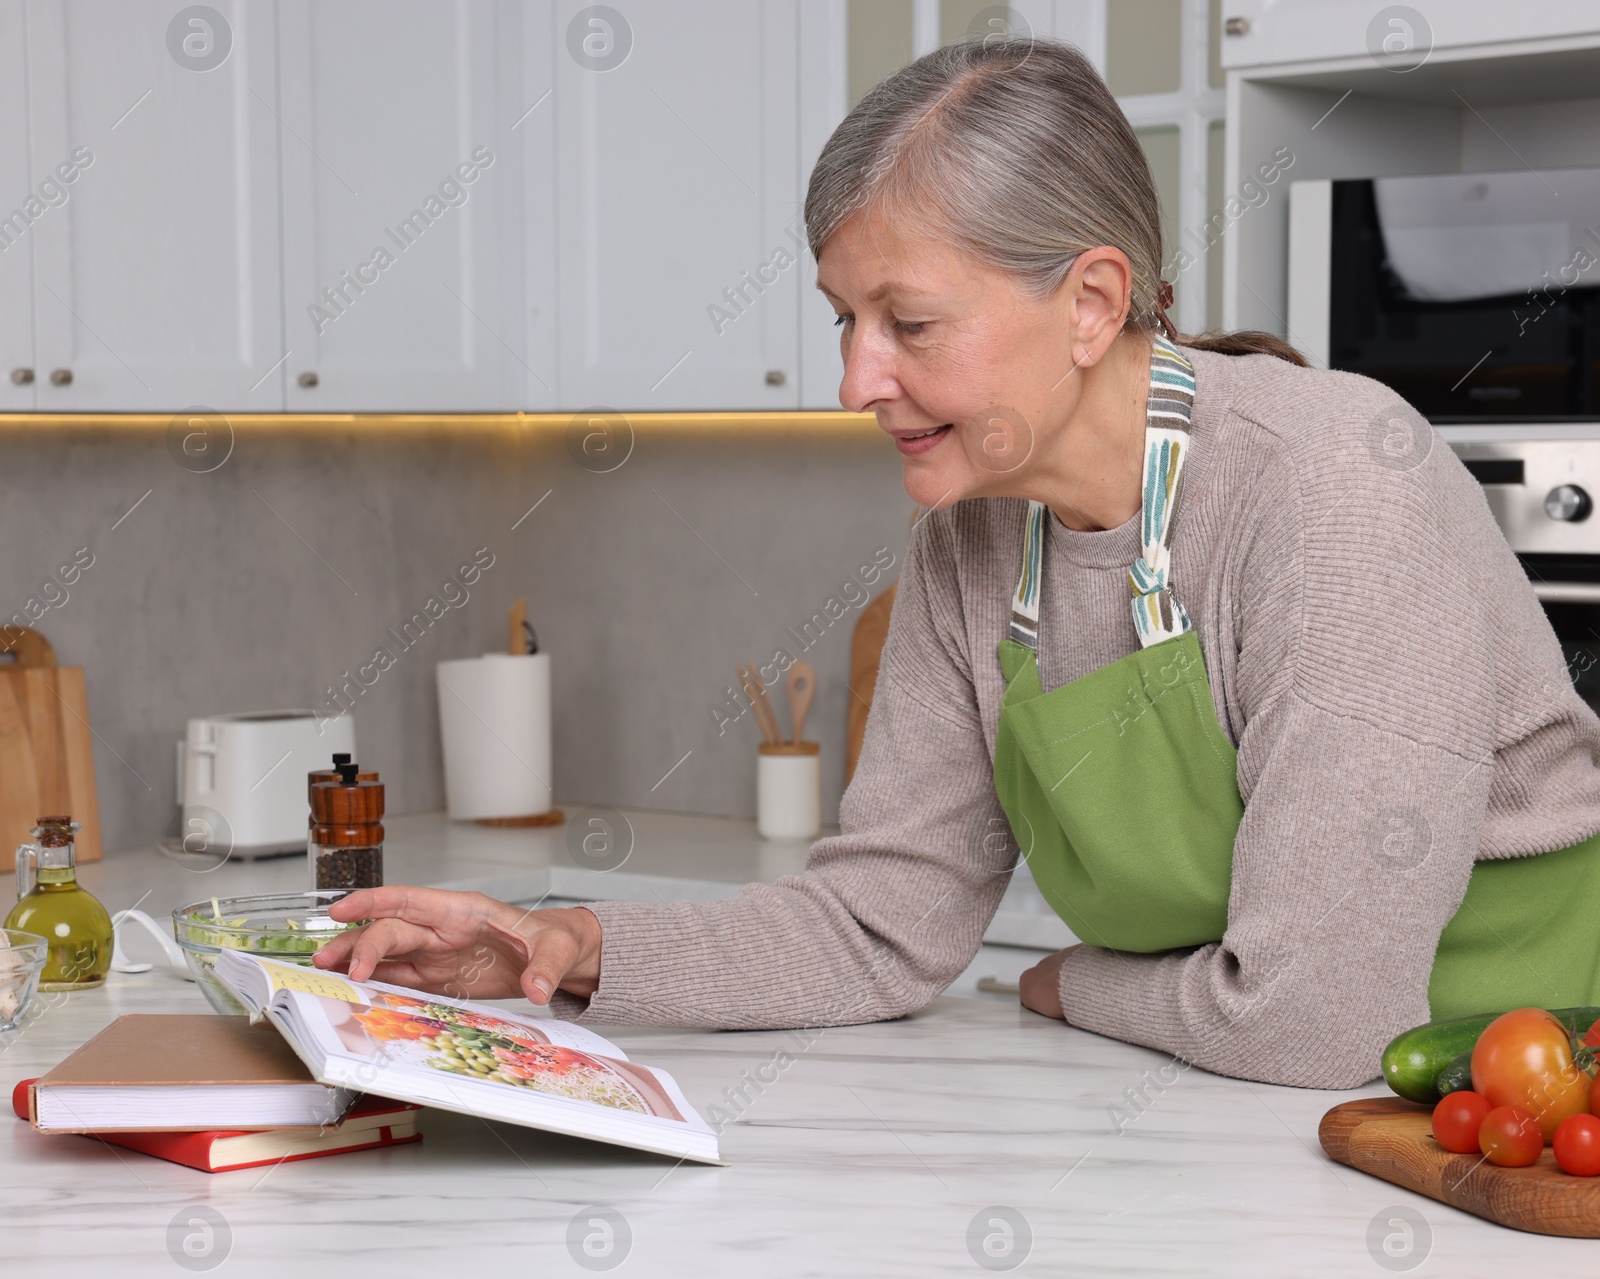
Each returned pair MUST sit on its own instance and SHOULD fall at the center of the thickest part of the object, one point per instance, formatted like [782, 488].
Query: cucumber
[1414, 1059]
[1456, 1077]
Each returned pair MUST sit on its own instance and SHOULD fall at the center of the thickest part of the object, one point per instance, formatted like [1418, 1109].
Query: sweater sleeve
[889, 911]
[1363, 599]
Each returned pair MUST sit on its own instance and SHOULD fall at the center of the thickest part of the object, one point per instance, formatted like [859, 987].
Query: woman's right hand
[464, 945]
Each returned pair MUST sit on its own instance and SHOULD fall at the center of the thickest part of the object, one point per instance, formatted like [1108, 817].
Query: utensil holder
[789, 790]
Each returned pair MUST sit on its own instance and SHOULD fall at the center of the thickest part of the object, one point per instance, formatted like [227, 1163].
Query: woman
[1326, 777]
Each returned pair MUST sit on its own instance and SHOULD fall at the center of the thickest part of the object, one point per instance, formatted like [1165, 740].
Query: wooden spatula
[802, 687]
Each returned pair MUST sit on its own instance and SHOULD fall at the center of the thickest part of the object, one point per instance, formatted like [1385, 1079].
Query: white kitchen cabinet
[824, 72]
[1270, 32]
[532, 113]
[156, 280]
[679, 225]
[401, 196]
[23, 206]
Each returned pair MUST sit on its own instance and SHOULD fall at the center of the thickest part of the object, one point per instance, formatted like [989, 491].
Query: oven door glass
[1569, 587]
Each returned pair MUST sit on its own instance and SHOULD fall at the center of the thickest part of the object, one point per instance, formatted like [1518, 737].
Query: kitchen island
[952, 1142]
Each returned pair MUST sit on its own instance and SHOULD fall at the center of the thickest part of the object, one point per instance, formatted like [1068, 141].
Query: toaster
[242, 778]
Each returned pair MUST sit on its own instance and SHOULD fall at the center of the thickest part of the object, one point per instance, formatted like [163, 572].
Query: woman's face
[968, 373]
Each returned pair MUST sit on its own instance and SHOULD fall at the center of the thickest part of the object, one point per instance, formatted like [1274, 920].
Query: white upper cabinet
[1395, 37]
[679, 225]
[823, 99]
[412, 205]
[28, 199]
[156, 271]
[401, 198]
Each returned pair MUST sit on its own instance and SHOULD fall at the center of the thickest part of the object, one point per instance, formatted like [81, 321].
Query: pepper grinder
[345, 849]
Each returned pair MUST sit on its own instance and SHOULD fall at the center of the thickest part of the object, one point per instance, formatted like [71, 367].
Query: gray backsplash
[261, 583]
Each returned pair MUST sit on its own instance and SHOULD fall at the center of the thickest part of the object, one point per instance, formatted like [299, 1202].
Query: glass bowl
[286, 926]
[21, 961]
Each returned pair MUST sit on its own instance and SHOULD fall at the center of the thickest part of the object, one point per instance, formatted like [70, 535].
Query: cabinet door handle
[60, 377]
[1568, 592]
[22, 377]
[776, 377]
[307, 379]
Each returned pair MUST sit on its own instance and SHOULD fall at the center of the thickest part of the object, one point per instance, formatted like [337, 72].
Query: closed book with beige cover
[151, 1072]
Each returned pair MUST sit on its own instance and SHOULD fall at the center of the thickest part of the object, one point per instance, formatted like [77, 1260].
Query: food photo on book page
[503, 1048]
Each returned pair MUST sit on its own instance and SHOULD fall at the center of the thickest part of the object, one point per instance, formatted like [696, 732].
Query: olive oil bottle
[51, 905]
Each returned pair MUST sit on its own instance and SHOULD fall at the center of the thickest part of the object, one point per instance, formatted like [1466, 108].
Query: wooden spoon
[756, 691]
[802, 687]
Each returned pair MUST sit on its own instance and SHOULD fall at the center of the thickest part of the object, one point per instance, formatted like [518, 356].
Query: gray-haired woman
[1324, 777]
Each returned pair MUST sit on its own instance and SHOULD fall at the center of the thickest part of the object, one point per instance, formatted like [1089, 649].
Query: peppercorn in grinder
[345, 849]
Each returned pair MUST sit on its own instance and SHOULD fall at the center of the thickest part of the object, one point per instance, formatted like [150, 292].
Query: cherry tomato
[1577, 1145]
[1457, 1119]
[1524, 1059]
[1510, 1138]
[1594, 1091]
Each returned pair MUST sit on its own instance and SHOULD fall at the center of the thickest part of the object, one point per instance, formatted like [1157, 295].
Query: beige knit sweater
[1372, 646]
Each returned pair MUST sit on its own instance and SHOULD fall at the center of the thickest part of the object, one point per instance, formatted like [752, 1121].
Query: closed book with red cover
[372, 1123]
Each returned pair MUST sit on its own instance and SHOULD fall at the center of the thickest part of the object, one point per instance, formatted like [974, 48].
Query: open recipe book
[480, 1060]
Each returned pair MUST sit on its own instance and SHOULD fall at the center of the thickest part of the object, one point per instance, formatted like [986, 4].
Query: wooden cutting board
[46, 751]
[1392, 1138]
[866, 652]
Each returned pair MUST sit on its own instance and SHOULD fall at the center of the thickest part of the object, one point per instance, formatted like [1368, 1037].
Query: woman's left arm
[1373, 607]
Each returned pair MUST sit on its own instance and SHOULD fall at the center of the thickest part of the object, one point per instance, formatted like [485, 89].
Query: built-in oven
[1474, 296]
[1542, 483]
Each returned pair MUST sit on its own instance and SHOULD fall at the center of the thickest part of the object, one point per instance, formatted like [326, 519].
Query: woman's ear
[1096, 294]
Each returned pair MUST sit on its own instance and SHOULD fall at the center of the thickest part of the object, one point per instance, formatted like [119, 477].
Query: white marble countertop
[858, 1151]
[670, 857]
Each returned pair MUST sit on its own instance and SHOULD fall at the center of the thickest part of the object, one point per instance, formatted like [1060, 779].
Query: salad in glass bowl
[287, 926]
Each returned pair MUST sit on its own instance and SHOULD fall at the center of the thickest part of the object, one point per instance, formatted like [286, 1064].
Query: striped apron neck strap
[1025, 603]
[1157, 615]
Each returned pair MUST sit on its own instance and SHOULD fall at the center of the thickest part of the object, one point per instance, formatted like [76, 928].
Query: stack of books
[207, 1092]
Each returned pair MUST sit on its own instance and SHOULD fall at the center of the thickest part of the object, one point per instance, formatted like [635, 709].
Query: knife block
[46, 756]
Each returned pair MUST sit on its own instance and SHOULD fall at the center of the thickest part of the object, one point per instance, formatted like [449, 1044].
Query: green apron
[1121, 787]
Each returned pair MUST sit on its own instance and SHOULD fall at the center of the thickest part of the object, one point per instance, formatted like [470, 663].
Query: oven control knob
[1569, 503]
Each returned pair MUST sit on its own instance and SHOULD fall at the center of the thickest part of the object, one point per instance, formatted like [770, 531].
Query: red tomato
[1577, 1145]
[1510, 1138]
[1457, 1119]
[1524, 1059]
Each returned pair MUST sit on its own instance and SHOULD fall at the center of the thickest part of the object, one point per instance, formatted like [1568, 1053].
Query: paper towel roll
[494, 715]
